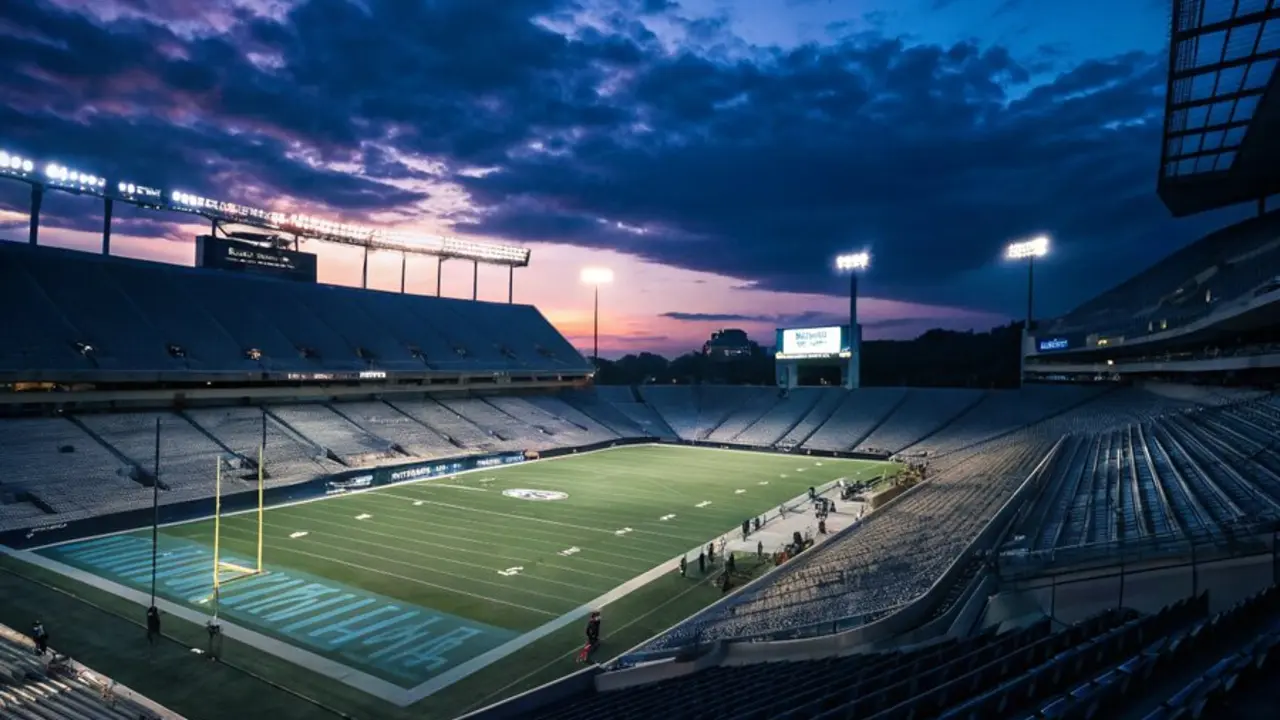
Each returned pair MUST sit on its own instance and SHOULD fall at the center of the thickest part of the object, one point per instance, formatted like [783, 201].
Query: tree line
[937, 358]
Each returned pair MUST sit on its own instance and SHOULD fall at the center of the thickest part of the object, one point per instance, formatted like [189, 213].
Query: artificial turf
[451, 546]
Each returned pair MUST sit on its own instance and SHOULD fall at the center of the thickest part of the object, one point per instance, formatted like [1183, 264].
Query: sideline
[365, 682]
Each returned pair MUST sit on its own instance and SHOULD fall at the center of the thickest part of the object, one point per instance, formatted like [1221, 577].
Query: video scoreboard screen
[813, 343]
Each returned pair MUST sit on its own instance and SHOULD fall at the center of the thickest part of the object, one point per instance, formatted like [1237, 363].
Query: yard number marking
[703, 504]
[571, 551]
[623, 531]
[667, 517]
[511, 571]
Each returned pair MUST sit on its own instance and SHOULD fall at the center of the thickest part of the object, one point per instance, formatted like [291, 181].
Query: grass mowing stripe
[540, 520]
[533, 519]
[440, 558]
[416, 581]
[358, 530]
[505, 537]
[468, 529]
[506, 587]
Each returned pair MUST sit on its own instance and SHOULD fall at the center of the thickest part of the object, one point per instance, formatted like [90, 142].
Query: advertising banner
[225, 254]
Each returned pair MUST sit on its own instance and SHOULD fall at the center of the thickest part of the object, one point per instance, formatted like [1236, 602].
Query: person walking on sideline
[41, 636]
[153, 624]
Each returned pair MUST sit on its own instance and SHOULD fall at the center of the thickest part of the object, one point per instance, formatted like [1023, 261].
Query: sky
[715, 154]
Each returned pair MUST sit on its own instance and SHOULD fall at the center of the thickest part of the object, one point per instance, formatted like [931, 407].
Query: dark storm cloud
[931, 157]
[132, 100]
[812, 319]
[757, 163]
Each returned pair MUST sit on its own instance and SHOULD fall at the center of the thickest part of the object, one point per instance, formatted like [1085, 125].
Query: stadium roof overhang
[43, 176]
[1222, 110]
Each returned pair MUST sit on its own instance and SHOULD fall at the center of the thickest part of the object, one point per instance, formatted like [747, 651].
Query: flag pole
[155, 512]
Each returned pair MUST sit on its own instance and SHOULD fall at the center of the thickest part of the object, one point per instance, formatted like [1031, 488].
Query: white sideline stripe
[320, 665]
[415, 481]
[479, 662]
[304, 658]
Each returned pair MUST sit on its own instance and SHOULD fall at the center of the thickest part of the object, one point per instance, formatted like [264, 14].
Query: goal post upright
[261, 505]
[217, 531]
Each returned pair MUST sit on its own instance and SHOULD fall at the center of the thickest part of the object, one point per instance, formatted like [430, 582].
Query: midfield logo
[523, 494]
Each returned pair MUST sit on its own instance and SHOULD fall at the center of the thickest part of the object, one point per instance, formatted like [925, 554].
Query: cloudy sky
[715, 154]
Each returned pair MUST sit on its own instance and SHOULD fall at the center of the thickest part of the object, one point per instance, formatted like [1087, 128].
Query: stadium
[345, 502]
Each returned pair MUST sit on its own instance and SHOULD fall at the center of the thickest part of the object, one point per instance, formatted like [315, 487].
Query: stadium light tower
[1029, 250]
[853, 264]
[595, 277]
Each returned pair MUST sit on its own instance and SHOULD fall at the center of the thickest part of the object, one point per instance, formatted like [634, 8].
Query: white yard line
[357, 679]
[475, 664]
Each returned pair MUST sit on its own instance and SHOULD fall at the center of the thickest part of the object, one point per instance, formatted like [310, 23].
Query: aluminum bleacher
[1179, 476]
[923, 413]
[1219, 270]
[884, 561]
[755, 405]
[859, 412]
[52, 461]
[116, 317]
[781, 417]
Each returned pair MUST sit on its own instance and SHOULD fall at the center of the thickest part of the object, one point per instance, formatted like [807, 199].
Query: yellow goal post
[224, 571]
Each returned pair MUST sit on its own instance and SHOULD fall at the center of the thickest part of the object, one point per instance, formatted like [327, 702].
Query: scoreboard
[816, 343]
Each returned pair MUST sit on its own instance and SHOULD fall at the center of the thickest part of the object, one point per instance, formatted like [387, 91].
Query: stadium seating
[1176, 476]
[829, 400]
[1034, 671]
[859, 413]
[675, 405]
[106, 315]
[52, 465]
[750, 410]
[781, 416]
[32, 687]
[923, 413]
[884, 561]
[1219, 270]
[1002, 411]
[625, 415]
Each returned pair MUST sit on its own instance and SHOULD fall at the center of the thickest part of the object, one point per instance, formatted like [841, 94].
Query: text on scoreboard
[812, 343]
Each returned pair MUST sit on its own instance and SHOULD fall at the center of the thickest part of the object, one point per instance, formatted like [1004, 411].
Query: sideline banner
[246, 498]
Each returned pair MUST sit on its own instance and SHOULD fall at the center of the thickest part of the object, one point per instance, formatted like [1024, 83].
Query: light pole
[854, 263]
[1027, 250]
[595, 277]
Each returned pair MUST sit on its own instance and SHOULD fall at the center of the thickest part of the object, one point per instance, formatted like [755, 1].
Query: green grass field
[407, 583]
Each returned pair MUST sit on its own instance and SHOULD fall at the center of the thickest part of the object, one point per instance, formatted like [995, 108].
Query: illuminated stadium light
[14, 164]
[56, 175]
[853, 261]
[1036, 247]
[486, 251]
[64, 176]
[597, 276]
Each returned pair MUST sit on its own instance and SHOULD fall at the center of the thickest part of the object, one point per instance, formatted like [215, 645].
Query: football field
[419, 584]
